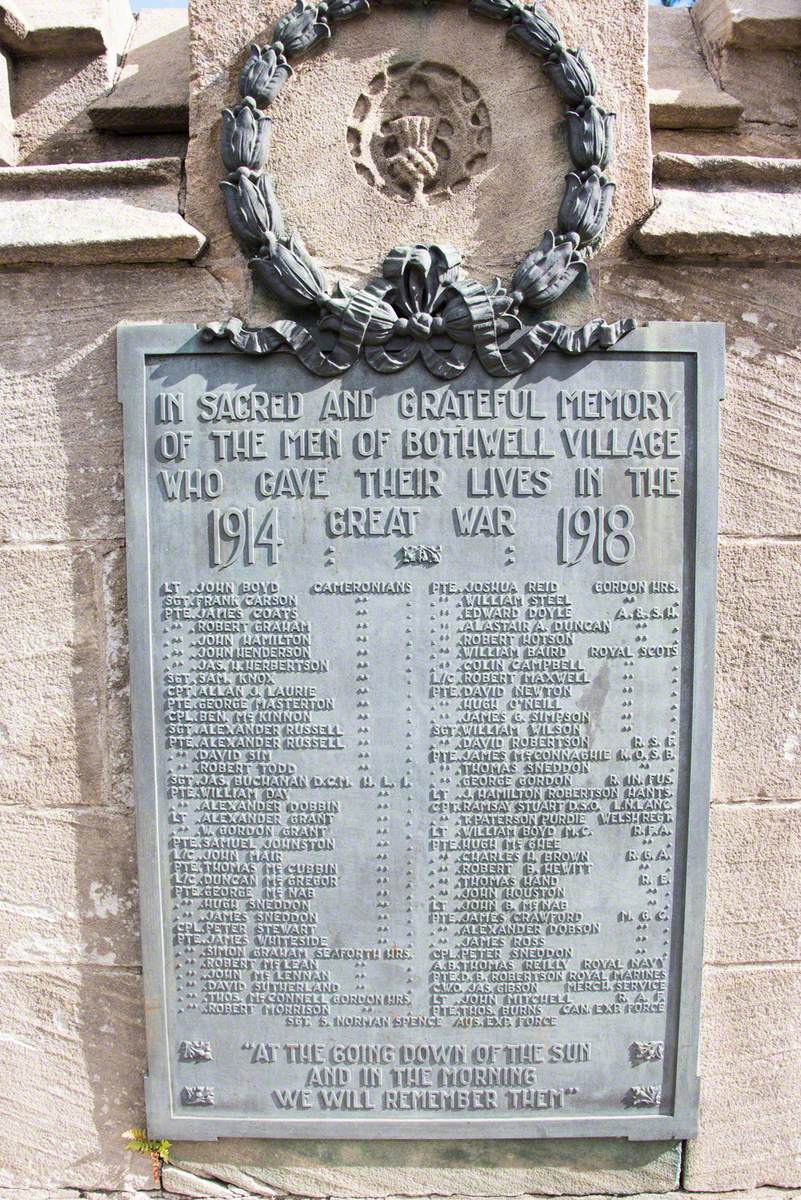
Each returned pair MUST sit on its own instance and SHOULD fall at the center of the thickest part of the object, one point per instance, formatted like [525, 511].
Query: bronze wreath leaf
[421, 307]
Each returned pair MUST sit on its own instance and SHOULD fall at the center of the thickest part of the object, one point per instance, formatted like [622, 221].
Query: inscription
[421, 673]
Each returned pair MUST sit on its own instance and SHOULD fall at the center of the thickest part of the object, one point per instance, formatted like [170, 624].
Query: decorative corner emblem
[195, 1052]
[197, 1097]
[643, 1052]
[642, 1097]
[420, 555]
[421, 307]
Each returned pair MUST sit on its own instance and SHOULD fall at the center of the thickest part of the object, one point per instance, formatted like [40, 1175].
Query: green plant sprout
[158, 1149]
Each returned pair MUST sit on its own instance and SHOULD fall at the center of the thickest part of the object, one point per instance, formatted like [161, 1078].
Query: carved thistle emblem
[421, 308]
[419, 130]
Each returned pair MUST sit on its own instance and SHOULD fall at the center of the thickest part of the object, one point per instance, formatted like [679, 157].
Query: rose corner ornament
[421, 308]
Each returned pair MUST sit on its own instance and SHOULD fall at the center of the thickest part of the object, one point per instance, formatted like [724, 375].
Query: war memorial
[400, 721]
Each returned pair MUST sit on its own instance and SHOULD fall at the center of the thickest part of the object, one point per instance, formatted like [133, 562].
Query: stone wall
[85, 247]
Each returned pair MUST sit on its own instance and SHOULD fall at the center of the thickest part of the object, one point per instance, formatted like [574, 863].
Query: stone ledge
[746, 209]
[682, 92]
[718, 169]
[177, 1181]
[94, 213]
[749, 24]
[59, 1193]
[52, 28]
[152, 92]
[134, 173]
[386, 1170]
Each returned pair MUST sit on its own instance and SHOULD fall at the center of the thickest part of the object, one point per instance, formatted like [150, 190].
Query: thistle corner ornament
[421, 308]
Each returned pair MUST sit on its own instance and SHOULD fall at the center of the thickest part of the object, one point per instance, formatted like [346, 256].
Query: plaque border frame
[703, 341]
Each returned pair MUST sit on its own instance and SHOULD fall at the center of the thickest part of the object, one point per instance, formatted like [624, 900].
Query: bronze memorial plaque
[421, 678]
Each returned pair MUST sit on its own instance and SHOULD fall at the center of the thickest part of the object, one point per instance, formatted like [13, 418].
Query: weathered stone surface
[75, 1037]
[117, 742]
[749, 138]
[151, 182]
[752, 49]
[43, 28]
[726, 206]
[49, 681]
[150, 1195]
[743, 208]
[152, 91]
[754, 902]
[8, 143]
[721, 170]
[753, 24]
[178, 1179]
[98, 213]
[490, 1169]
[60, 422]
[757, 685]
[504, 208]
[682, 92]
[74, 1194]
[68, 887]
[750, 1068]
[184, 1183]
[761, 416]
[92, 232]
[50, 99]
[768, 82]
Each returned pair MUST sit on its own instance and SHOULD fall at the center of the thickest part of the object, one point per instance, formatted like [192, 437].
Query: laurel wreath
[420, 306]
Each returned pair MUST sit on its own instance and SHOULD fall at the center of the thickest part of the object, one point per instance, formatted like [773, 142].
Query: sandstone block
[119, 750]
[757, 686]
[151, 93]
[750, 1071]
[60, 422]
[761, 415]
[184, 1183]
[75, 1037]
[8, 144]
[682, 92]
[715, 171]
[74, 1194]
[50, 703]
[392, 1169]
[42, 28]
[754, 902]
[68, 887]
[94, 213]
[752, 24]
[8, 147]
[51, 99]
[755, 140]
[767, 82]
[741, 208]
